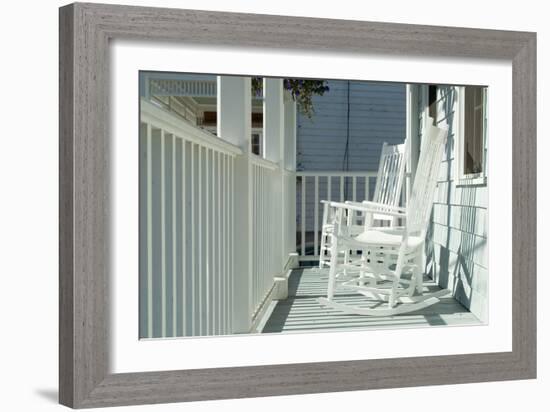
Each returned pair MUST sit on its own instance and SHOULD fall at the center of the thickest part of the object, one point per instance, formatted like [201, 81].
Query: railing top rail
[162, 119]
[336, 173]
[260, 161]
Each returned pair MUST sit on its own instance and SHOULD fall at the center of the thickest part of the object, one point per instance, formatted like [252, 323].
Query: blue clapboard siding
[376, 115]
[457, 240]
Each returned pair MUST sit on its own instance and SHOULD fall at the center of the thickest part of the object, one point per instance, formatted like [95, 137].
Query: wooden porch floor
[302, 312]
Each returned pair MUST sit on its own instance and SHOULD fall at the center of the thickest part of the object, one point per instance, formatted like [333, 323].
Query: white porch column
[234, 125]
[288, 160]
[274, 146]
[233, 110]
[289, 143]
[274, 150]
[273, 119]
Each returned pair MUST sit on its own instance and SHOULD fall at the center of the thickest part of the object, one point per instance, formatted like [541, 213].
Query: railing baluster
[224, 247]
[232, 243]
[163, 230]
[219, 241]
[149, 233]
[192, 286]
[228, 241]
[303, 218]
[183, 237]
[262, 234]
[207, 251]
[266, 253]
[174, 242]
[316, 218]
[254, 238]
[200, 233]
[214, 245]
[268, 234]
[257, 248]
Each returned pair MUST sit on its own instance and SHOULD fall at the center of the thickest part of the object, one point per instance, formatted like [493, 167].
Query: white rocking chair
[389, 253]
[388, 189]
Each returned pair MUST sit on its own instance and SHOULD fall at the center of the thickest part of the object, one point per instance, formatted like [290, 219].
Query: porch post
[234, 125]
[289, 146]
[274, 150]
[289, 176]
[273, 119]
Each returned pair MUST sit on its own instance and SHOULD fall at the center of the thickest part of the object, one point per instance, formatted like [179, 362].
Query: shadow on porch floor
[302, 312]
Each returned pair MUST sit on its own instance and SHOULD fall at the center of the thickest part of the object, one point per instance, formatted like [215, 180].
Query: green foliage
[301, 90]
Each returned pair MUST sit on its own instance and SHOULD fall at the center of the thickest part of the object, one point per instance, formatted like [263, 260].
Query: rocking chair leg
[416, 277]
[324, 235]
[420, 274]
[392, 299]
[322, 253]
[346, 261]
[398, 269]
[332, 268]
[420, 283]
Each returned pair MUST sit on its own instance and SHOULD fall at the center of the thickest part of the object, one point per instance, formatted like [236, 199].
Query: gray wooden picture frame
[85, 31]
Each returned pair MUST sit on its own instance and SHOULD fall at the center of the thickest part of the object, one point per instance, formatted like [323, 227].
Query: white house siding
[376, 115]
[457, 240]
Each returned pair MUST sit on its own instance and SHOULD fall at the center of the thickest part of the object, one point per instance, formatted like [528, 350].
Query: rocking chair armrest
[332, 203]
[380, 208]
[374, 208]
[397, 209]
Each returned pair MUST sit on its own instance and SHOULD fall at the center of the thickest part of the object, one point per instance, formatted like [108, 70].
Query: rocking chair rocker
[387, 254]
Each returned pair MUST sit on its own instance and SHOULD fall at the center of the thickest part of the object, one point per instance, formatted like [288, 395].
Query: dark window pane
[255, 144]
[432, 102]
[473, 130]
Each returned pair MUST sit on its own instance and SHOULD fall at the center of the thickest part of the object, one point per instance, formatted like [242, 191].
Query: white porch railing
[186, 228]
[266, 229]
[314, 186]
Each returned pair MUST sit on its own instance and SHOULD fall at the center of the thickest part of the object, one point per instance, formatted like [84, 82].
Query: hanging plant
[301, 90]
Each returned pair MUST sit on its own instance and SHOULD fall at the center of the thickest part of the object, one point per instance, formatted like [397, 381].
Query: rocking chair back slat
[425, 180]
[390, 174]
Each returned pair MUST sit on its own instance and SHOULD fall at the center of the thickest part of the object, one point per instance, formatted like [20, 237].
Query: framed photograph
[256, 205]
